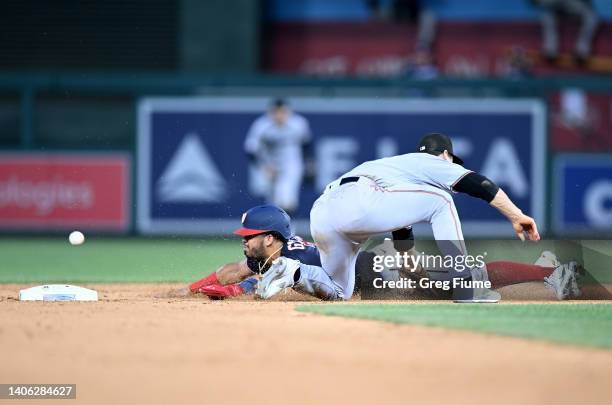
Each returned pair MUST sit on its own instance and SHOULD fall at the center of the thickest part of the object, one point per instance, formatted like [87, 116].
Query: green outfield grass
[579, 324]
[107, 260]
[45, 260]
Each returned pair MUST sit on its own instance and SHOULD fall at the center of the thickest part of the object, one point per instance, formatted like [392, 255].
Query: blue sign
[194, 178]
[583, 194]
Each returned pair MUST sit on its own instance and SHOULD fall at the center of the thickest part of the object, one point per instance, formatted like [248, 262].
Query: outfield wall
[572, 200]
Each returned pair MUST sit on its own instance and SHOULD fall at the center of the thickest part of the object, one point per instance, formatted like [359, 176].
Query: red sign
[64, 191]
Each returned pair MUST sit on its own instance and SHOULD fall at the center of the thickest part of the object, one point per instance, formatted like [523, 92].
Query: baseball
[76, 238]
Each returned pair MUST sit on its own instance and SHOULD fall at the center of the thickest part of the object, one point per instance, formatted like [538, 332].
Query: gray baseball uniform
[381, 196]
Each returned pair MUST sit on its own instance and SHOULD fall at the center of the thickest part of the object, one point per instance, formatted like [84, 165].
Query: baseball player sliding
[391, 193]
[266, 233]
[267, 237]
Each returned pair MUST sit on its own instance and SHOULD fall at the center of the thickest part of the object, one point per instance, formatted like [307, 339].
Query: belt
[346, 180]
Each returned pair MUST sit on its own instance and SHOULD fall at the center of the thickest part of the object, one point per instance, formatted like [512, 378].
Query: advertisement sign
[193, 174]
[583, 194]
[57, 191]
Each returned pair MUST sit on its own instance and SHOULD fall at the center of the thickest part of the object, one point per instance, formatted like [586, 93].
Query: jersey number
[295, 245]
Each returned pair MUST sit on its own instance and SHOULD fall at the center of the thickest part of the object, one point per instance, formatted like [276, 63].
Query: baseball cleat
[482, 296]
[564, 280]
[547, 259]
[479, 273]
[278, 277]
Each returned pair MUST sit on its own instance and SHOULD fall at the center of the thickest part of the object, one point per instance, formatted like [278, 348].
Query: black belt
[346, 180]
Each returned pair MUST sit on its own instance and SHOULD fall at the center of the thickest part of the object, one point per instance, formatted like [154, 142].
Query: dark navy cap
[435, 143]
[265, 218]
[279, 102]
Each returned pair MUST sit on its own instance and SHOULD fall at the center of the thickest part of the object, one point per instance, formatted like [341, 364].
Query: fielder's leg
[451, 243]
[338, 251]
[408, 204]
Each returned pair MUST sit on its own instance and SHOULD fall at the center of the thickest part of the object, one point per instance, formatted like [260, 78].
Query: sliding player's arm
[232, 273]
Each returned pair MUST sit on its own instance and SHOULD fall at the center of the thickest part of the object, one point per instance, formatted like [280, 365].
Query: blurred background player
[275, 145]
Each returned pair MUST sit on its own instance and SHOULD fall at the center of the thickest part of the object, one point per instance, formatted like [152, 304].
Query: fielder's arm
[232, 273]
[520, 222]
[481, 187]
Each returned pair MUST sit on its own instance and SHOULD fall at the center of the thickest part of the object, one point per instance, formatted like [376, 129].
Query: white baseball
[76, 238]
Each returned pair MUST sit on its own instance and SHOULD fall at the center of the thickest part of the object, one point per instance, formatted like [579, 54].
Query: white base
[58, 292]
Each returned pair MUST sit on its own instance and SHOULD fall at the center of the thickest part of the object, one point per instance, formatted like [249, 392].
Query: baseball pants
[345, 216]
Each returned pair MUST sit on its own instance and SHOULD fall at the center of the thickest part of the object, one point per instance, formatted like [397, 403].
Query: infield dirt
[132, 347]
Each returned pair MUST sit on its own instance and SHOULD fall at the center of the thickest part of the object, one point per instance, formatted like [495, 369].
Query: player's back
[410, 168]
[298, 249]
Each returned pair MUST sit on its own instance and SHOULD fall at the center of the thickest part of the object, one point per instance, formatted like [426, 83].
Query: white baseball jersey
[278, 147]
[389, 194]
